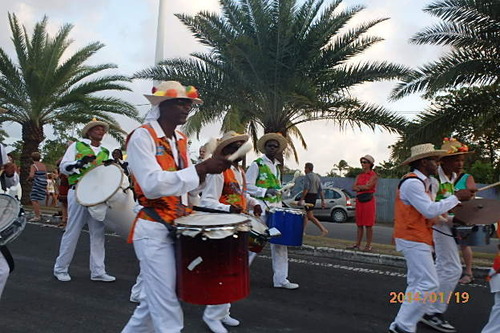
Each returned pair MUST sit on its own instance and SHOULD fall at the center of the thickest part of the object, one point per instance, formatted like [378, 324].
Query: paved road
[335, 296]
[382, 234]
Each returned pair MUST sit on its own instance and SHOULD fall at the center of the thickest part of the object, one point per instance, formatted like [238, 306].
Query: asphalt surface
[334, 295]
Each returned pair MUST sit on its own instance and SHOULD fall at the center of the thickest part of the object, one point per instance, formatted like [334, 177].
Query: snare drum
[212, 258]
[12, 219]
[290, 222]
[106, 191]
[473, 235]
[258, 236]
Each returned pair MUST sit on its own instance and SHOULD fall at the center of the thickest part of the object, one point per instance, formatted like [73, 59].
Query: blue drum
[290, 222]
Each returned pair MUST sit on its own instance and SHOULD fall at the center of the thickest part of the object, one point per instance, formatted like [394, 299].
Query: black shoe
[396, 329]
[437, 322]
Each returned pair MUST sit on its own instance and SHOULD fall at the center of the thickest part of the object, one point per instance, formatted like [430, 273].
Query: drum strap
[8, 257]
[154, 214]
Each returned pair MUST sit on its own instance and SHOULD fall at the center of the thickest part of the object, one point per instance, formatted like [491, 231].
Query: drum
[12, 219]
[290, 222]
[212, 258]
[473, 235]
[106, 191]
[258, 236]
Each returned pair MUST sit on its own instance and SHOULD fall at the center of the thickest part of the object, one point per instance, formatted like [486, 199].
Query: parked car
[340, 204]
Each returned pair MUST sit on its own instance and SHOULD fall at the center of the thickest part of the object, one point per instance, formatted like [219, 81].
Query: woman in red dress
[365, 185]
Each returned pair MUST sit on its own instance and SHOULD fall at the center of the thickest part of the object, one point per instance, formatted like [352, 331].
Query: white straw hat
[171, 90]
[421, 151]
[272, 136]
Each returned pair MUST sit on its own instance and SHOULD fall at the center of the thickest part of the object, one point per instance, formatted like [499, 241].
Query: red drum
[259, 235]
[212, 258]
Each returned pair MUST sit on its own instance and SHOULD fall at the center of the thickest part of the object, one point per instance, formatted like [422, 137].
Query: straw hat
[369, 158]
[424, 150]
[227, 139]
[171, 90]
[272, 136]
[93, 124]
[454, 147]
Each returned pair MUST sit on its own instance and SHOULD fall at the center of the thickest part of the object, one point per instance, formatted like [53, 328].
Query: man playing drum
[415, 212]
[227, 192]
[264, 183]
[81, 157]
[448, 266]
[158, 159]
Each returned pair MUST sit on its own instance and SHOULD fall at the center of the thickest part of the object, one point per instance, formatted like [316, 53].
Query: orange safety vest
[409, 224]
[232, 193]
[169, 207]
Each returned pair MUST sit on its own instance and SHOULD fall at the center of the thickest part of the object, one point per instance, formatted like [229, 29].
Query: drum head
[201, 219]
[257, 226]
[9, 210]
[99, 184]
[478, 211]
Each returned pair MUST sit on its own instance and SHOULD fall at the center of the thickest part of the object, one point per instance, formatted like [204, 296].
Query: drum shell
[258, 236]
[221, 277]
[120, 214]
[473, 235]
[290, 222]
[11, 228]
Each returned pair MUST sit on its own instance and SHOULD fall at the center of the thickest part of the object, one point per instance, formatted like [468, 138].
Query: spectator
[364, 185]
[312, 188]
[51, 190]
[38, 173]
[117, 155]
[63, 188]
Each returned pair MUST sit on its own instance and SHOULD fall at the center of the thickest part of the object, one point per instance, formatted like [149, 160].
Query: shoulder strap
[411, 176]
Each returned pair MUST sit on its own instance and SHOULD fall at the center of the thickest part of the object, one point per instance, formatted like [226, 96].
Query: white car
[340, 204]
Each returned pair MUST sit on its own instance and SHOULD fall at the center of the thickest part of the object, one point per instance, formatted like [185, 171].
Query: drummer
[227, 192]
[415, 212]
[9, 178]
[159, 162]
[81, 157]
[448, 266]
[264, 184]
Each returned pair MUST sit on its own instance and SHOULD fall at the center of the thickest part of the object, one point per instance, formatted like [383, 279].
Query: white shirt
[212, 192]
[443, 178]
[155, 182]
[69, 157]
[252, 174]
[414, 193]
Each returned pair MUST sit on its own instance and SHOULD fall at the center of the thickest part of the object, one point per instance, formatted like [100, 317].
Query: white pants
[448, 266]
[217, 312]
[421, 278]
[135, 292]
[4, 273]
[159, 310]
[279, 255]
[78, 216]
[493, 325]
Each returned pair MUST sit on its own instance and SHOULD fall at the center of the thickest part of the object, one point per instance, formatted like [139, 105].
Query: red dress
[365, 211]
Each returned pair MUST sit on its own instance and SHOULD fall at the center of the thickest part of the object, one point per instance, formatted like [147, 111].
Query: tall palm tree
[48, 85]
[472, 29]
[274, 64]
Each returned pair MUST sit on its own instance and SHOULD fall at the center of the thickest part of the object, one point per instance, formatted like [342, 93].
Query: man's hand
[257, 210]
[323, 204]
[212, 165]
[235, 210]
[108, 162]
[301, 202]
[271, 192]
[465, 194]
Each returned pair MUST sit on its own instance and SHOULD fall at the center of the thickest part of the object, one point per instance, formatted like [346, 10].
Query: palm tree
[48, 85]
[472, 29]
[274, 64]
[342, 165]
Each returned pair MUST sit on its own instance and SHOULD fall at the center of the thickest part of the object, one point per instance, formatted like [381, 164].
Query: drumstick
[242, 151]
[488, 187]
[210, 147]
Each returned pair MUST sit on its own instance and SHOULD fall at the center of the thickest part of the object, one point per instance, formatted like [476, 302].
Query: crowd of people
[167, 185]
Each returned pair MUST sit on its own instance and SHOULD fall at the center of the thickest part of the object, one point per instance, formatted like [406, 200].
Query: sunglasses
[183, 102]
[272, 146]
[365, 162]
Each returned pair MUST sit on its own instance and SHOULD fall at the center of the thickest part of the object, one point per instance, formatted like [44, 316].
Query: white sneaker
[230, 321]
[288, 285]
[63, 277]
[215, 325]
[103, 278]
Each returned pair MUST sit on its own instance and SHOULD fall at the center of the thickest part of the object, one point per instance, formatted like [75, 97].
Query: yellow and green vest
[84, 149]
[266, 179]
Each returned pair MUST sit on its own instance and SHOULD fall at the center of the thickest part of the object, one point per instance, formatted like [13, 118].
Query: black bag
[364, 197]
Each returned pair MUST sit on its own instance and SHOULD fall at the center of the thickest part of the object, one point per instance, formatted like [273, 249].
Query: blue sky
[128, 29]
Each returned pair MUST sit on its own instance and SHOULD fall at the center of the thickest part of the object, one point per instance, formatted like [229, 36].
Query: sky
[128, 30]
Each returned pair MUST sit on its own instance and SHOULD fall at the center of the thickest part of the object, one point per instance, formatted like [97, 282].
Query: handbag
[364, 197]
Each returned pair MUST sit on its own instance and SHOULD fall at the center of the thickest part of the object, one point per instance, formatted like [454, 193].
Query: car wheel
[339, 215]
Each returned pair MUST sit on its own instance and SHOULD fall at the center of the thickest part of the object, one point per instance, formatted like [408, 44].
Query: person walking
[38, 174]
[312, 189]
[365, 185]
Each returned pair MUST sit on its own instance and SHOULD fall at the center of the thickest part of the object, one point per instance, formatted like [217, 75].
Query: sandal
[466, 279]
[367, 249]
[353, 247]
